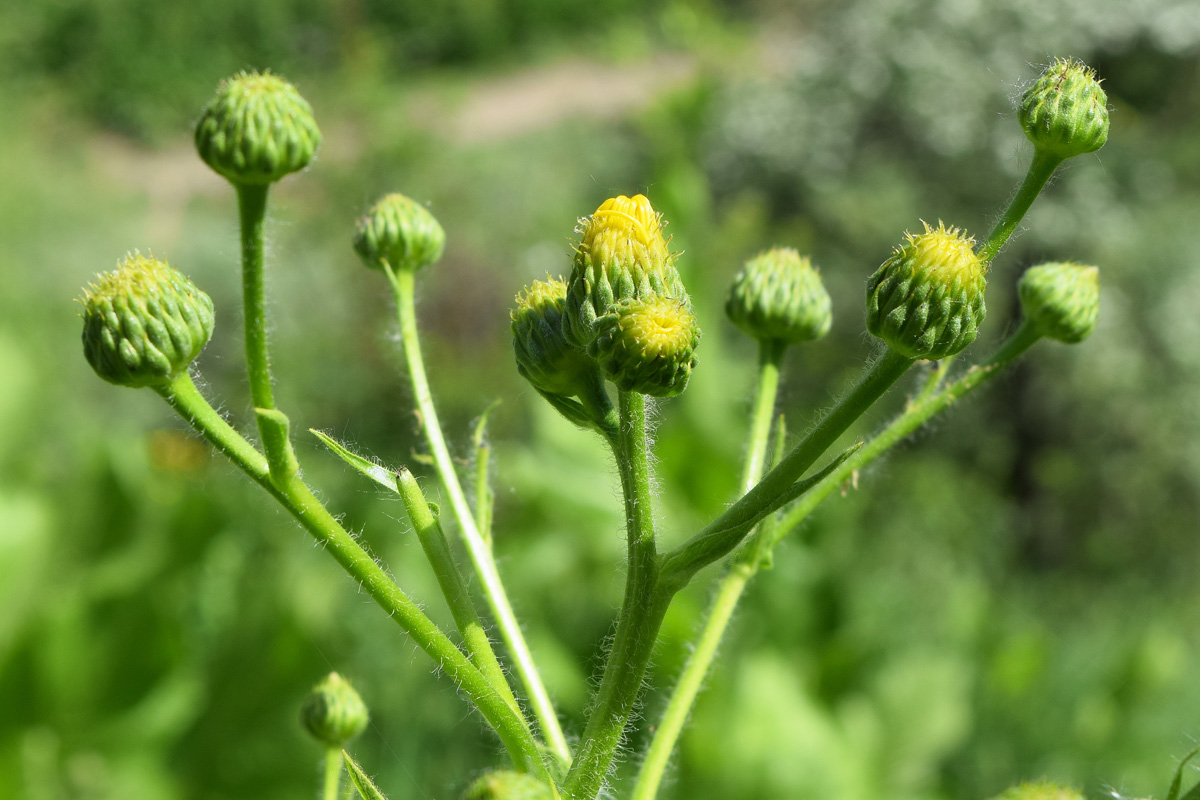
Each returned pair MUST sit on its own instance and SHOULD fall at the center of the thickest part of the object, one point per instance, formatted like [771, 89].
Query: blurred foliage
[1011, 596]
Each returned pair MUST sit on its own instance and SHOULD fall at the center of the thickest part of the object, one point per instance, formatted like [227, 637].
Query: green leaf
[366, 789]
[1177, 782]
[380, 474]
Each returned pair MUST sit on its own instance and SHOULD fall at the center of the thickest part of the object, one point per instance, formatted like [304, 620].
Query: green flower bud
[507, 785]
[647, 345]
[926, 301]
[1039, 790]
[401, 232]
[544, 358]
[1061, 300]
[779, 295]
[257, 129]
[1065, 112]
[333, 712]
[622, 255]
[144, 323]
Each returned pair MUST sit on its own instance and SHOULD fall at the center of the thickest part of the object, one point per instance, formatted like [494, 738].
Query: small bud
[544, 358]
[333, 712]
[1061, 300]
[1065, 112]
[926, 301]
[779, 295]
[401, 232]
[144, 323]
[1039, 790]
[507, 785]
[622, 255]
[257, 129]
[647, 345]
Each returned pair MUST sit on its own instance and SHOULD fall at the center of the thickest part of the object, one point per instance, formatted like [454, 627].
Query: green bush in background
[1016, 600]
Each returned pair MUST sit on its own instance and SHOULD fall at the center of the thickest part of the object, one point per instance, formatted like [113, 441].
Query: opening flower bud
[401, 232]
[257, 129]
[1039, 790]
[1061, 300]
[1065, 112]
[926, 301]
[622, 255]
[544, 357]
[779, 295]
[507, 785]
[647, 345]
[333, 712]
[144, 322]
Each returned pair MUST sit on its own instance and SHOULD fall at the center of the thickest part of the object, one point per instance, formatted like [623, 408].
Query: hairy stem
[333, 773]
[477, 547]
[1039, 172]
[299, 501]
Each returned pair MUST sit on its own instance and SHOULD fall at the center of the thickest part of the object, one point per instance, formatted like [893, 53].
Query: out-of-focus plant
[623, 317]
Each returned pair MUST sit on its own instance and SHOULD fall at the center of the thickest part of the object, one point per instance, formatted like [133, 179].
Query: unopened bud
[779, 295]
[257, 129]
[333, 712]
[1065, 112]
[1039, 790]
[144, 322]
[507, 785]
[622, 255]
[647, 346]
[1061, 300]
[544, 358]
[400, 232]
[926, 301]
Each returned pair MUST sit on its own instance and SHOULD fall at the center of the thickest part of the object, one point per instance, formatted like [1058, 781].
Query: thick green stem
[454, 588]
[641, 616]
[724, 533]
[1040, 170]
[252, 211]
[477, 547]
[729, 589]
[183, 396]
[333, 773]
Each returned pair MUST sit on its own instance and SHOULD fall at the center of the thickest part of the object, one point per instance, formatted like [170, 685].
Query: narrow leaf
[366, 789]
[381, 475]
[1177, 782]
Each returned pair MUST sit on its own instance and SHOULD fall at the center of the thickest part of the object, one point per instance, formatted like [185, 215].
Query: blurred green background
[1012, 595]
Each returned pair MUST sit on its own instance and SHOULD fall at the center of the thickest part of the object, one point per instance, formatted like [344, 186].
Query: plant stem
[770, 355]
[477, 548]
[333, 773]
[453, 587]
[642, 612]
[252, 210]
[724, 533]
[1039, 172]
[186, 399]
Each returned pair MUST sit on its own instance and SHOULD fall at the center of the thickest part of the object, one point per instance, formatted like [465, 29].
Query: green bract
[1065, 112]
[400, 232]
[1061, 300]
[544, 358]
[647, 346]
[622, 255]
[507, 785]
[779, 295]
[333, 712]
[926, 301]
[144, 323]
[257, 129]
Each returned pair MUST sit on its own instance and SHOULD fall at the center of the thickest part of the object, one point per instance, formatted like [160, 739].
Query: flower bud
[333, 712]
[622, 255]
[779, 295]
[257, 129]
[926, 301]
[144, 323]
[1061, 300]
[507, 785]
[1065, 112]
[401, 232]
[1039, 790]
[647, 345]
[544, 358]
